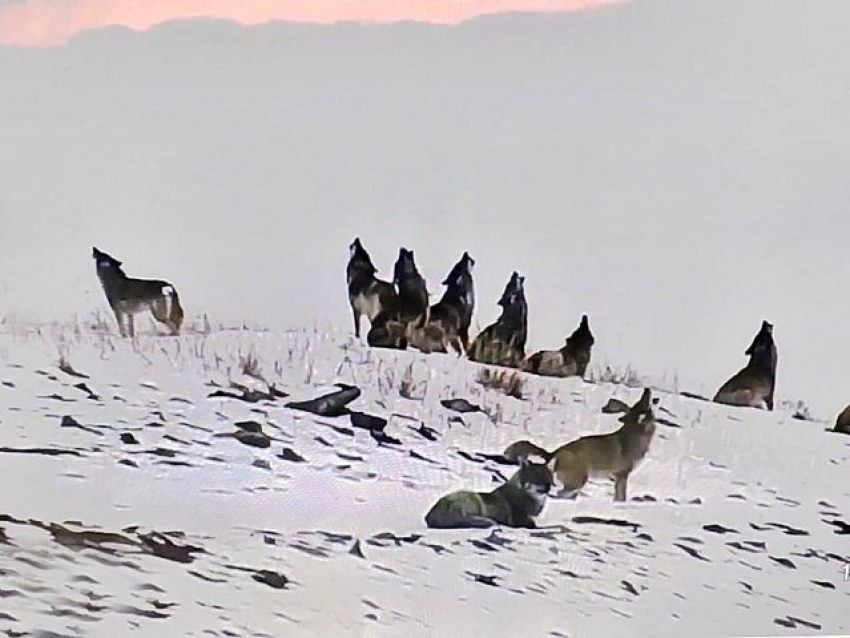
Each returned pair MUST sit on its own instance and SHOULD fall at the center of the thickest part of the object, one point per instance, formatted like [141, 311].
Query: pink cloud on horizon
[41, 23]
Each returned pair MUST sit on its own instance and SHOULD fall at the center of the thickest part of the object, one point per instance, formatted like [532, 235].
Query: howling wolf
[128, 296]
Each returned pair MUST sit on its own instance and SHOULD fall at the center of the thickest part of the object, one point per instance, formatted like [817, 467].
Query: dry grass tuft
[628, 377]
[249, 364]
[508, 381]
[799, 410]
[409, 388]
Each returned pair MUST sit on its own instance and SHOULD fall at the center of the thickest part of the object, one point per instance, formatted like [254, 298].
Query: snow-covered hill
[124, 509]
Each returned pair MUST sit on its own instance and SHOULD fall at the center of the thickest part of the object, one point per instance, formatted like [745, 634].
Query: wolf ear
[643, 406]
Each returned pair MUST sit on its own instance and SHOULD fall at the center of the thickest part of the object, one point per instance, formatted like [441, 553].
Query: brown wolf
[571, 360]
[128, 296]
[503, 343]
[432, 337]
[454, 310]
[753, 385]
[613, 455]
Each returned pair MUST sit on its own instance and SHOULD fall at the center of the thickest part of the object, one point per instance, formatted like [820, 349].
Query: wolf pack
[400, 316]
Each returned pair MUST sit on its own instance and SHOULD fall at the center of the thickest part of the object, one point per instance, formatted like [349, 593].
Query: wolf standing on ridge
[128, 296]
[753, 385]
[455, 308]
[614, 455]
[503, 343]
[409, 306]
[450, 318]
[571, 360]
[367, 294]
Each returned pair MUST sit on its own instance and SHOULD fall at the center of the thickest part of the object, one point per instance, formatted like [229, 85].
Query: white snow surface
[733, 525]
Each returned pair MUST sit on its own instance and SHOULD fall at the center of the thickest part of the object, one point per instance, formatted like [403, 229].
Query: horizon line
[47, 24]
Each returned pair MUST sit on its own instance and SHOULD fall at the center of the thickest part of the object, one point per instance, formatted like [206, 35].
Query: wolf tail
[173, 309]
[522, 450]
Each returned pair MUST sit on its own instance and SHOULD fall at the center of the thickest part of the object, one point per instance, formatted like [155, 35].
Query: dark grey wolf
[753, 385]
[515, 503]
[449, 319]
[367, 294]
[571, 360]
[503, 342]
[408, 306]
[128, 296]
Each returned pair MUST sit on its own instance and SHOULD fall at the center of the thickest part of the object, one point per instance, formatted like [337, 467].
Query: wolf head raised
[359, 259]
[411, 285]
[514, 290]
[106, 264]
[762, 340]
[640, 411]
[460, 272]
[460, 289]
[405, 266]
[762, 350]
[582, 337]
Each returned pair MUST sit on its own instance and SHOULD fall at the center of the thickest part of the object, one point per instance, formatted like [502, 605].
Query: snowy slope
[736, 524]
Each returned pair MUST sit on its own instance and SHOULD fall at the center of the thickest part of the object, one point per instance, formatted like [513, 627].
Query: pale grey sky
[677, 170]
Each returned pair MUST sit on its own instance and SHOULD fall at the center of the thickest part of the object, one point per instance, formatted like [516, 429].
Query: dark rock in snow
[272, 579]
[288, 454]
[460, 405]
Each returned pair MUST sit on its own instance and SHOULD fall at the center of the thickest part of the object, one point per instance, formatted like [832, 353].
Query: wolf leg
[174, 327]
[451, 520]
[131, 325]
[621, 480]
[119, 318]
[357, 316]
[464, 338]
[572, 479]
